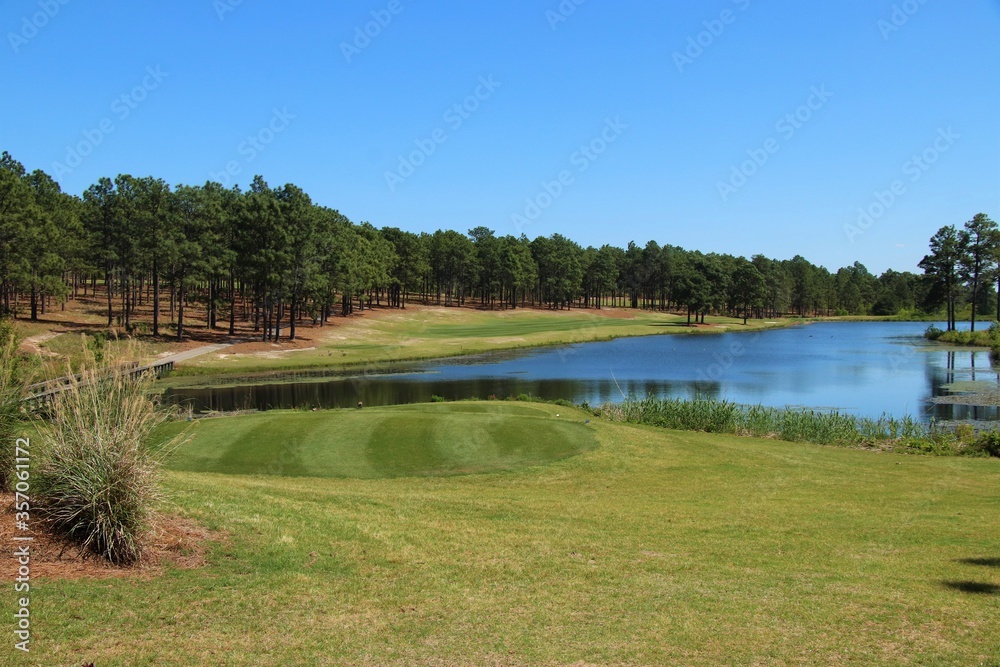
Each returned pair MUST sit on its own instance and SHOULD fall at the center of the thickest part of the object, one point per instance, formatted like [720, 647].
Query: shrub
[965, 433]
[933, 333]
[96, 344]
[437, 399]
[97, 476]
[138, 329]
[987, 444]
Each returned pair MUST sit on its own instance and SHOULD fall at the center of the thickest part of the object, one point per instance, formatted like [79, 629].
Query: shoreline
[179, 378]
[305, 373]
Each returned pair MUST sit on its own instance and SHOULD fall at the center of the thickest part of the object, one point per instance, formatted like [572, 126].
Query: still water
[861, 368]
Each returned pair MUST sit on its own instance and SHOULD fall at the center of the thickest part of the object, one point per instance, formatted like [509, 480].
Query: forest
[272, 258]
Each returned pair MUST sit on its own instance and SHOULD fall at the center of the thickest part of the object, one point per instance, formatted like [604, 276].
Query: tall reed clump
[97, 482]
[13, 379]
[817, 427]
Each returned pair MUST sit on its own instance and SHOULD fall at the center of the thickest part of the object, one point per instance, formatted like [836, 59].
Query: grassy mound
[405, 441]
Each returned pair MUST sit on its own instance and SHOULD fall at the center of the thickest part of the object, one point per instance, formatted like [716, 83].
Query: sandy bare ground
[33, 344]
[186, 355]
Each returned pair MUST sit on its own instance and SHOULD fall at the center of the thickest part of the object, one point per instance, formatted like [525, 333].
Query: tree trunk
[975, 304]
[180, 311]
[232, 305]
[107, 285]
[126, 298]
[34, 301]
[156, 299]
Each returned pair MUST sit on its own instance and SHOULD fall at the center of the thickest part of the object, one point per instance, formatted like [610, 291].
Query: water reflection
[861, 368]
[391, 390]
[946, 368]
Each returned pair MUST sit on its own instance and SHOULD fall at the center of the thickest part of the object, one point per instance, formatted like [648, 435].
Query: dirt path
[187, 355]
[33, 344]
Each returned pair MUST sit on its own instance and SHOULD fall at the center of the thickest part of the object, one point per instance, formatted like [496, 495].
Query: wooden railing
[43, 392]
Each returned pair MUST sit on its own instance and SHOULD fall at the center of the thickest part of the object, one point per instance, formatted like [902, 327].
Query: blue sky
[737, 126]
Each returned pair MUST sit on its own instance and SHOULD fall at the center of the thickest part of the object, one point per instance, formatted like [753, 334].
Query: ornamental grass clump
[13, 379]
[97, 478]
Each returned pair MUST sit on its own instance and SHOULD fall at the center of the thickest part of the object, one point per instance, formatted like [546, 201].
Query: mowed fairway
[652, 548]
[422, 332]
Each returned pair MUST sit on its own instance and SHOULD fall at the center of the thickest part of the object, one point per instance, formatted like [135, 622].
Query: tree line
[271, 258]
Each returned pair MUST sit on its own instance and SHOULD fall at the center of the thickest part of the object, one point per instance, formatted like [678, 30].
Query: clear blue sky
[679, 127]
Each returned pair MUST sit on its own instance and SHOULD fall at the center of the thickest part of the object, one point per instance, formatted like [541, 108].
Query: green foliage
[96, 343]
[964, 338]
[986, 444]
[96, 478]
[821, 428]
[139, 329]
[965, 433]
[13, 378]
[961, 267]
[286, 257]
[438, 399]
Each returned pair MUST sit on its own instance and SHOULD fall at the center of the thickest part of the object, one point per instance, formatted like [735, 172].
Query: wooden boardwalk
[43, 392]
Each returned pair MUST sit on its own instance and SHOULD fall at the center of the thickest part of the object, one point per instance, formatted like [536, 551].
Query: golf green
[403, 441]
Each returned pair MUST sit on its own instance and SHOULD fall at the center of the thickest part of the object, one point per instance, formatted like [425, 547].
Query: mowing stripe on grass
[404, 441]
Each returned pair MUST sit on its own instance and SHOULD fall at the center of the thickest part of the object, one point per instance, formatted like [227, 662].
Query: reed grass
[13, 382]
[812, 426]
[97, 478]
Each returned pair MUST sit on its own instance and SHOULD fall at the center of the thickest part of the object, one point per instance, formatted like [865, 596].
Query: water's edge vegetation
[988, 338]
[905, 435]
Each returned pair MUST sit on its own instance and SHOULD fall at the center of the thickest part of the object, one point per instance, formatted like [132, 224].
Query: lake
[862, 368]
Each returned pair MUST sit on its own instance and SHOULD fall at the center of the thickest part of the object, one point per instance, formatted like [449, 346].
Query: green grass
[443, 439]
[655, 548]
[429, 333]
